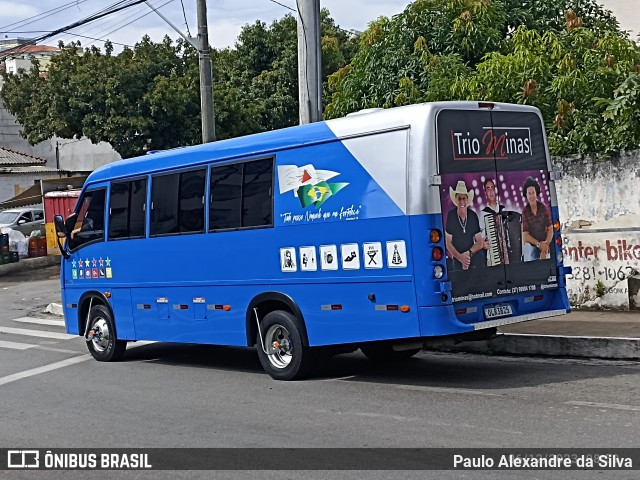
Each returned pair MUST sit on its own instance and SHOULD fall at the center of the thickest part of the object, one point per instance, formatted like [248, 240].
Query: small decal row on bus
[350, 257]
[91, 269]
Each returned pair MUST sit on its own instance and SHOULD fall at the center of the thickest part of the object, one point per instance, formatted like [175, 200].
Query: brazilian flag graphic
[319, 193]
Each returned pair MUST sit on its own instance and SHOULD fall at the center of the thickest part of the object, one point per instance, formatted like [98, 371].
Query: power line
[186, 24]
[102, 13]
[283, 5]
[44, 15]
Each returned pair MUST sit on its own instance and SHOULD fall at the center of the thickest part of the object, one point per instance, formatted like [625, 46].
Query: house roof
[9, 158]
[31, 170]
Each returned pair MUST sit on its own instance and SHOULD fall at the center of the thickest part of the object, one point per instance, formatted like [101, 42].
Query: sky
[226, 18]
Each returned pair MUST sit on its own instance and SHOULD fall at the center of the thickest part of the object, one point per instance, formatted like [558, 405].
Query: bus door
[485, 158]
[522, 174]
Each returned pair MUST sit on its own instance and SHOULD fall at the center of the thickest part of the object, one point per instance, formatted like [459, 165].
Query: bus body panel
[368, 184]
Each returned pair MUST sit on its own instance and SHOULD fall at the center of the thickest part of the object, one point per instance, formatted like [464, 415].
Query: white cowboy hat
[461, 189]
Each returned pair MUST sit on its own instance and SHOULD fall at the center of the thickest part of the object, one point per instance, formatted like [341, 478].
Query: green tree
[148, 97]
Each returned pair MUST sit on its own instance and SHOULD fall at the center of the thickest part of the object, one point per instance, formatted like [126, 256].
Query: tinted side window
[241, 195]
[226, 197]
[137, 207]
[38, 215]
[192, 186]
[127, 209]
[89, 225]
[119, 210]
[165, 190]
[178, 202]
[256, 193]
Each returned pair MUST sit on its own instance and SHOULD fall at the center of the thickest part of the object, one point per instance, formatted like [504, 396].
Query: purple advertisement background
[508, 184]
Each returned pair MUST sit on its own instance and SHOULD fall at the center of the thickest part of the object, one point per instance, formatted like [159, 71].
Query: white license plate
[497, 311]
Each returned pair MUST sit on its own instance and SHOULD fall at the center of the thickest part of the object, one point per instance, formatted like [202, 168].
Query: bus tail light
[437, 254]
[559, 241]
[556, 225]
[435, 235]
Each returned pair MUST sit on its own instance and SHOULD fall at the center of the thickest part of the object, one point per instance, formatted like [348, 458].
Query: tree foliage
[566, 57]
[148, 97]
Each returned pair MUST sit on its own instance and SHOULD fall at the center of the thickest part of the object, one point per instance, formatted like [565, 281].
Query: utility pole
[206, 81]
[309, 61]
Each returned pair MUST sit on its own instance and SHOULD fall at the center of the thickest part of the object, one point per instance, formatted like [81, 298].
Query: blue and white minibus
[384, 230]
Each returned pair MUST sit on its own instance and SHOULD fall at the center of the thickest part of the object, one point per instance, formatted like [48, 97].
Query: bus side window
[127, 209]
[90, 223]
[177, 202]
[241, 195]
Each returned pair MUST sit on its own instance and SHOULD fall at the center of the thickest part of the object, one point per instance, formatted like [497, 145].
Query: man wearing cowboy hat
[463, 235]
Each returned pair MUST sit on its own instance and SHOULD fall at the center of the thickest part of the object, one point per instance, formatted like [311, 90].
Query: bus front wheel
[101, 337]
[281, 351]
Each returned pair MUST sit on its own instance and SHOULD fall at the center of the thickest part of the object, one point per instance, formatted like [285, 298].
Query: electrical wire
[44, 15]
[185, 19]
[100, 14]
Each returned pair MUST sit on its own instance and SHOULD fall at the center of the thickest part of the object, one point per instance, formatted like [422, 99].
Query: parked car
[25, 219]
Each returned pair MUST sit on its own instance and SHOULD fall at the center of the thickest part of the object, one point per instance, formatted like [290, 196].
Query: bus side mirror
[61, 231]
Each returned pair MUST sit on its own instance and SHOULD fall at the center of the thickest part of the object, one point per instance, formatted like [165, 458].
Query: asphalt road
[53, 395]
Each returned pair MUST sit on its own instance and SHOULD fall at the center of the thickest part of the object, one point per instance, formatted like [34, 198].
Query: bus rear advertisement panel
[321, 238]
[497, 206]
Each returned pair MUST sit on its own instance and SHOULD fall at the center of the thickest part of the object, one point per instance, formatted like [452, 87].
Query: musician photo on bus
[537, 231]
[463, 235]
[492, 207]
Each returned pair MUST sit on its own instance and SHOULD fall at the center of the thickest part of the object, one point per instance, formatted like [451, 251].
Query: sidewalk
[29, 264]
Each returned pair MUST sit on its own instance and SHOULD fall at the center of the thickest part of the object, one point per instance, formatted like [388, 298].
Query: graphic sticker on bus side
[308, 184]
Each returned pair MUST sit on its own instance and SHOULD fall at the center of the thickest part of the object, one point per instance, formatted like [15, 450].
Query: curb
[29, 264]
[612, 348]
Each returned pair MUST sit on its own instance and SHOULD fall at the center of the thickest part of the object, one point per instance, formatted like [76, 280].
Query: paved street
[53, 394]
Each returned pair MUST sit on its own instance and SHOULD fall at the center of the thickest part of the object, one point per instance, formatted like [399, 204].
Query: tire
[384, 352]
[286, 358]
[103, 343]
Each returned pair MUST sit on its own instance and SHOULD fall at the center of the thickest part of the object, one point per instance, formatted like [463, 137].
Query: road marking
[47, 368]
[36, 333]
[15, 345]
[420, 388]
[614, 406]
[40, 321]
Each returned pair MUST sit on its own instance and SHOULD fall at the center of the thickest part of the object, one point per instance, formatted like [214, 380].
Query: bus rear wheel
[280, 350]
[384, 352]
[101, 337]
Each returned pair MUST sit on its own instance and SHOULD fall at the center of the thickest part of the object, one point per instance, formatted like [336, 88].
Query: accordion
[504, 234]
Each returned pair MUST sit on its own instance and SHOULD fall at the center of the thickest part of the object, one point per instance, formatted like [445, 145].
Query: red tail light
[437, 254]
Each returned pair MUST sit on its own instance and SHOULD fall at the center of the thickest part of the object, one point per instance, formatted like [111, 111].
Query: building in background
[75, 155]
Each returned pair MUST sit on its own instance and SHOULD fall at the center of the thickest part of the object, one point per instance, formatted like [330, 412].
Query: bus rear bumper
[517, 319]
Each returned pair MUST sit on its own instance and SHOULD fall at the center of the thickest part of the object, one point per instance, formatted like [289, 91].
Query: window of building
[241, 195]
[127, 206]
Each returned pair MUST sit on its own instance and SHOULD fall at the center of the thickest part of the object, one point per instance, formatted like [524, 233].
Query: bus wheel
[101, 338]
[384, 352]
[281, 352]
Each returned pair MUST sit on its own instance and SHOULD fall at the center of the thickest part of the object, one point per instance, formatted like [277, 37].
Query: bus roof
[266, 143]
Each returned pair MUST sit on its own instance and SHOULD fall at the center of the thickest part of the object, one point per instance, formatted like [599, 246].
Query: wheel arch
[83, 308]
[267, 302]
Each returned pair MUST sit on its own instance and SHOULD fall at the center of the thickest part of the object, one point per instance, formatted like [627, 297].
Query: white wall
[599, 204]
[9, 182]
[75, 155]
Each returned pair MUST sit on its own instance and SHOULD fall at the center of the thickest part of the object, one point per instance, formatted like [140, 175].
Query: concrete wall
[75, 155]
[14, 183]
[599, 204]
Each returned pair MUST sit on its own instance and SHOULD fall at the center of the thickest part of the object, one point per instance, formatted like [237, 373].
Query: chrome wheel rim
[279, 346]
[101, 335]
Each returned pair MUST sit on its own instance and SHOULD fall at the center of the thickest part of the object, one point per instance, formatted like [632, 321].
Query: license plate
[495, 311]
